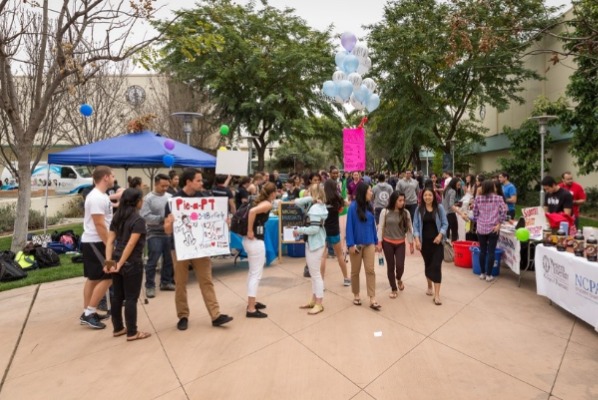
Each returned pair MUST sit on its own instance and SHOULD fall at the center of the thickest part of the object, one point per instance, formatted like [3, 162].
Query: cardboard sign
[229, 162]
[535, 220]
[200, 228]
[354, 149]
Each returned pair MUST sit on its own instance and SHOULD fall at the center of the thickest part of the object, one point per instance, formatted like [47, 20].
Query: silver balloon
[339, 76]
[356, 103]
[355, 79]
[364, 66]
[360, 51]
[370, 84]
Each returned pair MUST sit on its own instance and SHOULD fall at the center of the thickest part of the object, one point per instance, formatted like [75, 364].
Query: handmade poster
[535, 220]
[200, 228]
[230, 162]
[354, 149]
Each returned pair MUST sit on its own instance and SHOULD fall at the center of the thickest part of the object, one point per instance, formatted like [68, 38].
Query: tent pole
[46, 204]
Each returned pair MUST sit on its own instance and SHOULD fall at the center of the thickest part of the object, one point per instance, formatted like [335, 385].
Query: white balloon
[339, 76]
[370, 84]
[355, 79]
[360, 51]
[356, 103]
[364, 66]
[339, 99]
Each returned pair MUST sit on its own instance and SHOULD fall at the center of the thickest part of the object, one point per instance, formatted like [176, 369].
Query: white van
[64, 179]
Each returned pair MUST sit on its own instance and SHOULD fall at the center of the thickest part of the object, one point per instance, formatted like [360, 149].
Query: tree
[523, 163]
[45, 53]
[583, 85]
[260, 66]
[438, 62]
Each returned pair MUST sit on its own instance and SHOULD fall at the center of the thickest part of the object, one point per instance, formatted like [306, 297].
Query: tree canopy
[260, 66]
[438, 62]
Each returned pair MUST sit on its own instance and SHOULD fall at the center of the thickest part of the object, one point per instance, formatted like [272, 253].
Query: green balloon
[224, 129]
[522, 234]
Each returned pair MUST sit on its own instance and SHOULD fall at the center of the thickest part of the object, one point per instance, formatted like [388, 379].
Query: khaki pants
[203, 273]
[366, 255]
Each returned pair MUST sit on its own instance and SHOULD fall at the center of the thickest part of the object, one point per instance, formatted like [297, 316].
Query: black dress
[433, 253]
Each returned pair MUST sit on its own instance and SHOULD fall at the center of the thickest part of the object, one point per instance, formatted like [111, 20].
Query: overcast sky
[346, 15]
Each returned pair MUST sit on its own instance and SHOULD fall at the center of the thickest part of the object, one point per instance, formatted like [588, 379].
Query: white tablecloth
[569, 281]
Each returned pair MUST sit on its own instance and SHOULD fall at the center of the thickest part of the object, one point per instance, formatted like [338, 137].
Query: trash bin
[475, 260]
[462, 253]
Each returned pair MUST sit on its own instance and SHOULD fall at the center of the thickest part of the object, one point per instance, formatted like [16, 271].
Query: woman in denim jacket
[429, 229]
[316, 243]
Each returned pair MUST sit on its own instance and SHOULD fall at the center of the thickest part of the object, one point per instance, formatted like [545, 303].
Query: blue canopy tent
[143, 149]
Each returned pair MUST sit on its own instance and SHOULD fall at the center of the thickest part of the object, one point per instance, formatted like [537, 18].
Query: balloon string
[364, 121]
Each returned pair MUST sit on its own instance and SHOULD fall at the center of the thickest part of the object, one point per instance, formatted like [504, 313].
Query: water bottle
[380, 259]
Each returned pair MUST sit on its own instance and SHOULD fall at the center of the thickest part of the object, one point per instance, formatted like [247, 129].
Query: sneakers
[182, 324]
[306, 273]
[490, 278]
[482, 276]
[346, 282]
[222, 319]
[103, 305]
[168, 287]
[259, 306]
[150, 292]
[92, 320]
[256, 314]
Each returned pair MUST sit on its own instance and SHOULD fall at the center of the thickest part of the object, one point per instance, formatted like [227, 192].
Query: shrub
[36, 219]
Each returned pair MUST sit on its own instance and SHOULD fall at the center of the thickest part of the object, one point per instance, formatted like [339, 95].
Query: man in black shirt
[220, 189]
[557, 199]
[192, 187]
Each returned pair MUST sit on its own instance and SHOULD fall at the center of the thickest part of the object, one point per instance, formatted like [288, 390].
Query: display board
[289, 217]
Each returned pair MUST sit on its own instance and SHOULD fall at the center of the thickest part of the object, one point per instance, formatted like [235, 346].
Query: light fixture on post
[482, 112]
[187, 118]
[542, 123]
[452, 142]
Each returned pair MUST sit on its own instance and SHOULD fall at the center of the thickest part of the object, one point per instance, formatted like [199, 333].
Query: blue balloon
[339, 58]
[168, 160]
[86, 110]
[345, 88]
[350, 63]
[373, 102]
[362, 94]
[329, 89]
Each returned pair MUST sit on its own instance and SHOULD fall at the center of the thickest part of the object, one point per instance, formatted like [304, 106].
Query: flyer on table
[200, 228]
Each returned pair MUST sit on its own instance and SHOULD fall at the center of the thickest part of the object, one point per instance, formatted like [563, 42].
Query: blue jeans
[487, 251]
[158, 246]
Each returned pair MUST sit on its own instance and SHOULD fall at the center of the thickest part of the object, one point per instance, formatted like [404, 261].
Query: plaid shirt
[489, 211]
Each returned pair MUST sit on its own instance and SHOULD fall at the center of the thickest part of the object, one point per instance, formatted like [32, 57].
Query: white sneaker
[482, 276]
[490, 278]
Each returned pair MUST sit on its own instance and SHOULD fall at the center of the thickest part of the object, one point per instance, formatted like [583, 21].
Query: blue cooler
[296, 250]
[475, 260]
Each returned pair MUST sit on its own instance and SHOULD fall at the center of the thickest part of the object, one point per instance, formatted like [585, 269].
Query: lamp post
[542, 123]
[187, 118]
[452, 142]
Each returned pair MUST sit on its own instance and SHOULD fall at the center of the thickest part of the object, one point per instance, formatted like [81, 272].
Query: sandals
[316, 309]
[437, 301]
[429, 292]
[138, 336]
[393, 294]
[119, 333]
[357, 302]
[375, 306]
[401, 285]
[311, 304]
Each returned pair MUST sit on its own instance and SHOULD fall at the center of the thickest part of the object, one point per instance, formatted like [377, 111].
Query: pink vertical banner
[354, 149]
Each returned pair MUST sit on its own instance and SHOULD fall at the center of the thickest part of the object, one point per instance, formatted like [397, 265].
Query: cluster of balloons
[347, 84]
[168, 159]
[86, 110]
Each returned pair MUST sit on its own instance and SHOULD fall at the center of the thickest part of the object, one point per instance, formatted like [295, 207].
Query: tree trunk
[21, 226]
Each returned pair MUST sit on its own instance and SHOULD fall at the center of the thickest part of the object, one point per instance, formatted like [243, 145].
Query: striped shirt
[489, 211]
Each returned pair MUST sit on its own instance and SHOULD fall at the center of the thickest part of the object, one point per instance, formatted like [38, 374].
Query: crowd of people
[349, 214]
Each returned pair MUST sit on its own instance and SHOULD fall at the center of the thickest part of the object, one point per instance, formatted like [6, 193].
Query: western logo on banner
[354, 149]
[200, 228]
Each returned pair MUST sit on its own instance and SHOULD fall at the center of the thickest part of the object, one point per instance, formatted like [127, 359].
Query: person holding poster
[192, 181]
[315, 244]
[362, 240]
[255, 247]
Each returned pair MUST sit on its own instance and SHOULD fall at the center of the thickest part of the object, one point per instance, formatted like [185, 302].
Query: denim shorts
[332, 240]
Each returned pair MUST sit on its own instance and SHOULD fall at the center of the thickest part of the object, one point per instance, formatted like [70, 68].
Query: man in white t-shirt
[96, 222]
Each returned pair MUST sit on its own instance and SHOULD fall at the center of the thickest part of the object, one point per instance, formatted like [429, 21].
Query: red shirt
[578, 194]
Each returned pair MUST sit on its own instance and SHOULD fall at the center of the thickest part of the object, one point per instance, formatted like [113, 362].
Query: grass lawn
[65, 270]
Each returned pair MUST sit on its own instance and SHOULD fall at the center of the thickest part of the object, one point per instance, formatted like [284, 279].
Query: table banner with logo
[569, 281]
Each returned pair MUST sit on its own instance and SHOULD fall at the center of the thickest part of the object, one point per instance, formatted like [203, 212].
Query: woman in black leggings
[449, 199]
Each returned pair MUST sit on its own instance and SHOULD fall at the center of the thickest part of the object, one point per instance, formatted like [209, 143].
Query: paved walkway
[487, 341]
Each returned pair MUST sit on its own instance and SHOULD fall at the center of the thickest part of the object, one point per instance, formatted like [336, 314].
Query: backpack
[240, 220]
[10, 270]
[25, 260]
[67, 238]
[46, 257]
